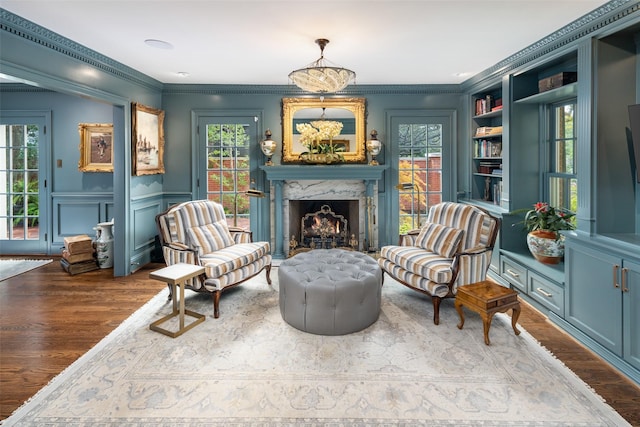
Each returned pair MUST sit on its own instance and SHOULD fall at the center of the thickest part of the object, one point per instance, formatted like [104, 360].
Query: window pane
[420, 169]
[228, 169]
[561, 180]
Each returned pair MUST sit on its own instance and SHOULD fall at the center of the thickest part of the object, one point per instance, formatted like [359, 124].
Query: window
[420, 165]
[23, 190]
[561, 179]
[228, 169]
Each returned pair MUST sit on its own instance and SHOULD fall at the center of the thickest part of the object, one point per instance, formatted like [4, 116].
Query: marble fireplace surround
[322, 182]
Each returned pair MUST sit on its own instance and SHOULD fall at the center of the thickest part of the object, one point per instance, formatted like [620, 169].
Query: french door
[224, 164]
[421, 148]
[24, 148]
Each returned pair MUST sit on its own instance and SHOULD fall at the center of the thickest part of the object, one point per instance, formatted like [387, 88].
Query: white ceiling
[261, 41]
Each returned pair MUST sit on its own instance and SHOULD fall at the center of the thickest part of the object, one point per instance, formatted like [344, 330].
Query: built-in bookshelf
[486, 147]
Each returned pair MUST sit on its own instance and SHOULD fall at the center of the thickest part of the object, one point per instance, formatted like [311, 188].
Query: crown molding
[291, 90]
[588, 25]
[28, 30]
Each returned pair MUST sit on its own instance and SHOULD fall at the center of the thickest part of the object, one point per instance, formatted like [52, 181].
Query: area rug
[250, 368]
[13, 267]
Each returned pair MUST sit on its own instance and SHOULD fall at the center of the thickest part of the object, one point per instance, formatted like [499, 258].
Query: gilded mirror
[349, 111]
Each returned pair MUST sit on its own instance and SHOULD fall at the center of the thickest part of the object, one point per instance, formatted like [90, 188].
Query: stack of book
[78, 255]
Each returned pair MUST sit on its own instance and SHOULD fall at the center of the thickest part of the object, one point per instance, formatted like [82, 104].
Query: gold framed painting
[147, 140]
[96, 147]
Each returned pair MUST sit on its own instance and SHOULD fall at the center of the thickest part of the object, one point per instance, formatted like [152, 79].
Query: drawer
[547, 293]
[514, 273]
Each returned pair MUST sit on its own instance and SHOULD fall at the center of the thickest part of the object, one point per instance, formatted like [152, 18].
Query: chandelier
[321, 76]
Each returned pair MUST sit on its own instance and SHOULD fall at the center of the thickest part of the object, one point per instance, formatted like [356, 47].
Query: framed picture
[96, 147]
[147, 140]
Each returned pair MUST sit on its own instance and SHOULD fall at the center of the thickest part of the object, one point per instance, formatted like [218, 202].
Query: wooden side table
[488, 298]
[177, 275]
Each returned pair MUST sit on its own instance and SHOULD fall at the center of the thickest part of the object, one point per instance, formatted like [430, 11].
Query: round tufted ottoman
[330, 291]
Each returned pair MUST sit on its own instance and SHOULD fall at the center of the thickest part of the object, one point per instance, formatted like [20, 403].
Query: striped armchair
[452, 249]
[196, 232]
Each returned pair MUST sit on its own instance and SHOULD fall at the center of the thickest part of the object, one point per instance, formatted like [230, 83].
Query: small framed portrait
[96, 147]
[147, 140]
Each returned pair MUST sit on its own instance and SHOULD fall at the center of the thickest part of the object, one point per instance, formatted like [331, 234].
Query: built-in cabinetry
[602, 299]
[595, 293]
[486, 147]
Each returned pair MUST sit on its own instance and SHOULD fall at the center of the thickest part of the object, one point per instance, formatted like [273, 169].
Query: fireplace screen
[323, 229]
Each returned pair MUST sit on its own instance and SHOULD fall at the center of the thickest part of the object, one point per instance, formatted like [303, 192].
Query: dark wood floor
[48, 319]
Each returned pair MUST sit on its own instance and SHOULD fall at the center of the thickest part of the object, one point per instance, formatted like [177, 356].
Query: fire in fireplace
[324, 225]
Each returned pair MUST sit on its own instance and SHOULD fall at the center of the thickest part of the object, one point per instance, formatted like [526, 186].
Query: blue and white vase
[104, 245]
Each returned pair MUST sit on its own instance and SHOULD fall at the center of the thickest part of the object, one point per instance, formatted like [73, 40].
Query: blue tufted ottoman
[330, 291]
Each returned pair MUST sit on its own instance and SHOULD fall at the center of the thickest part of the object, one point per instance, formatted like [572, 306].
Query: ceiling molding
[588, 25]
[34, 33]
[290, 90]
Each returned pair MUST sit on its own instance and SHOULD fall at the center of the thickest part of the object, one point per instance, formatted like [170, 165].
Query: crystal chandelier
[321, 76]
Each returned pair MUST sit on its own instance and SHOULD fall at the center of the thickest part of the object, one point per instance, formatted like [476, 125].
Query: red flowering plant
[545, 217]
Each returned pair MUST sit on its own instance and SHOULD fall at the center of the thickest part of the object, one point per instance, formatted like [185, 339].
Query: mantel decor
[147, 140]
[323, 131]
[96, 147]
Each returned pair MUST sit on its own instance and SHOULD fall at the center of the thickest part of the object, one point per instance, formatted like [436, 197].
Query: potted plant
[544, 224]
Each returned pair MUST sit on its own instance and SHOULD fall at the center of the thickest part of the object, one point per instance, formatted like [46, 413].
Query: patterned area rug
[13, 267]
[250, 368]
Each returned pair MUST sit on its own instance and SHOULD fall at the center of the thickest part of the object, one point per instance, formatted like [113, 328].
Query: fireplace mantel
[323, 172]
[281, 174]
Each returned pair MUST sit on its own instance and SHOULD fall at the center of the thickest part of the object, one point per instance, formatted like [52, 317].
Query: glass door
[23, 186]
[224, 164]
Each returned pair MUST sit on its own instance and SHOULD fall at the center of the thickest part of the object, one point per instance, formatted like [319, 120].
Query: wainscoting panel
[143, 230]
[78, 214]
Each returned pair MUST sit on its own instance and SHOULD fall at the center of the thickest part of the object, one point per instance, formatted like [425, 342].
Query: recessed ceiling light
[182, 74]
[158, 44]
[462, 74]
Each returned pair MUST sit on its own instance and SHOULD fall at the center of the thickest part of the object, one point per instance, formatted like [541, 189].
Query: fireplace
[323, 224]
[348, 190]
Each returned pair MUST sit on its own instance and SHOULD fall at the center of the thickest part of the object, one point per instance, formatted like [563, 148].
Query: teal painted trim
[289, 90]
[587, 25]
[33, 32]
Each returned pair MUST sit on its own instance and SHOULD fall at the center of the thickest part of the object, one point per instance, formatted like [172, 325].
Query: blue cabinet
[602, 300]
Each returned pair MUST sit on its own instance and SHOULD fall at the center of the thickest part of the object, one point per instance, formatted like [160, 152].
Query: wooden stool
[488, 298]
[177, 275]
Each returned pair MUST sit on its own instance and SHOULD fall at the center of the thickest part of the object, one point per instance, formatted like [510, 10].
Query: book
[78, 257]
[78, 267]
[79, 243]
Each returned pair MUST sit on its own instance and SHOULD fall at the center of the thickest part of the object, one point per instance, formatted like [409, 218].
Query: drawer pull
[625, 288]
[513, 273]
[543, 292]
[615, 276]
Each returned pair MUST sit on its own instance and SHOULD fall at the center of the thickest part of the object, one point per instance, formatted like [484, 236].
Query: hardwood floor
[48, 319]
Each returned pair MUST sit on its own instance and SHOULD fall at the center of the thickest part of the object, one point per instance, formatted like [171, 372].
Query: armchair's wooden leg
[216, 304]
[170, 286]
[436, 309]
[268, 268]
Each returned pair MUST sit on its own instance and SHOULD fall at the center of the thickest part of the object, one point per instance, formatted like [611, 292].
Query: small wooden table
[488, 298]
[177, 275]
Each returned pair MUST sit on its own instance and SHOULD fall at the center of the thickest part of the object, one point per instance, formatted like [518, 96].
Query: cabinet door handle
[543, 292]
[615, 276]
[513, 273]
[625, 288]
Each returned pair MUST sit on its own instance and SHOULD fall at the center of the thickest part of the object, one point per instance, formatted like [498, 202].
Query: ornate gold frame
[96, 147]
[355, 105]
[147, 140]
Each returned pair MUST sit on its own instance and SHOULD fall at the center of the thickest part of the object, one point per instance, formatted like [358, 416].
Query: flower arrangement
[314, 134]
[545, 217]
